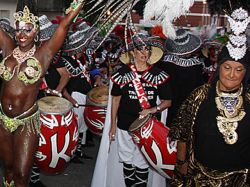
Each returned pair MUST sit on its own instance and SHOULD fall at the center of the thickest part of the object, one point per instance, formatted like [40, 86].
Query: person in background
[76, 91]
[210, 55]
[183, 66]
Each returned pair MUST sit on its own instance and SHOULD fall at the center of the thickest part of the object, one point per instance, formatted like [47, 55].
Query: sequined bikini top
[30, 75]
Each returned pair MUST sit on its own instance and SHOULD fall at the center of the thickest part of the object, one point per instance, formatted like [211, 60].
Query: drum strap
[141, 94]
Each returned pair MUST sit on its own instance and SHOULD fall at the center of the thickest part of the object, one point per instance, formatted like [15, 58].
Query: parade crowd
[169, 111]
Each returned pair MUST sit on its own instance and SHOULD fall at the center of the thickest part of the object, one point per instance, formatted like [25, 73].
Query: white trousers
[82, 127]
[128, 151]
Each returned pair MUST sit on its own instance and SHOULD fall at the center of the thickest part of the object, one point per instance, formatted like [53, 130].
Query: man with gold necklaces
[212, 125]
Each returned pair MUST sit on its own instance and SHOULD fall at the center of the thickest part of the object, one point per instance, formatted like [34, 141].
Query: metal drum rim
[147, 118]
[42, 111]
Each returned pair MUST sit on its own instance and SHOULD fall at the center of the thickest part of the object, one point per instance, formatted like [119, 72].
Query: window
[5, 14]
[50, 5]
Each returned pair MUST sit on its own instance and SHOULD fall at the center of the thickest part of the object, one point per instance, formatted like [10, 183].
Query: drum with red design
[151, 136]
[59, 134]
[96, 108]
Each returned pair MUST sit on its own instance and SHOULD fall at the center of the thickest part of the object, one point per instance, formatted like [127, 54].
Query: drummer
[142, 53]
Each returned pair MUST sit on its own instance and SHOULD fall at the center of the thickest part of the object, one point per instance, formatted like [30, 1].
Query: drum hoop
[42, 111]
[90, 101]
[93, 103]
[148, 117]
[54, 113]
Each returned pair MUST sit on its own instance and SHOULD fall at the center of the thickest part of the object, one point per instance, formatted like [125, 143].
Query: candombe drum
[96, 108]
[151, 136]
[59, 134]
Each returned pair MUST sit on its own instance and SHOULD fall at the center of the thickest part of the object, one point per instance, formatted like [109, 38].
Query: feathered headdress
[166, 11]
[157, 31]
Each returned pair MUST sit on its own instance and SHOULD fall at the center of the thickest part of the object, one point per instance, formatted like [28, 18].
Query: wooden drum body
[96, 108]
[151, 136]
[59, 134]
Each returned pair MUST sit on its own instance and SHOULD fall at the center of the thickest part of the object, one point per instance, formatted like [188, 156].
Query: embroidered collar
[76, 71]
[182, 61]
[153, 76]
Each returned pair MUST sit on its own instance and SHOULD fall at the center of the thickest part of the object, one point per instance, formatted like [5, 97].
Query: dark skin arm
[65, 77]
[52, 46]
[6, 43]
[69, 97]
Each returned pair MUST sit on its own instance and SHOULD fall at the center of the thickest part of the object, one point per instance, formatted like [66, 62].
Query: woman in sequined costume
[212, 125]
[22, 70]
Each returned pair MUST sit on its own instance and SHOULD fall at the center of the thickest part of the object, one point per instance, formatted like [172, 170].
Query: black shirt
[210, 147]
[129, 106]
[183, 81]
[77, 83]
[52, 76]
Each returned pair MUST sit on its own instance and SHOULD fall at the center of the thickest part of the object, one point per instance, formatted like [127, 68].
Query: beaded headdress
[238, 18]
[236, 45]
[25, 16]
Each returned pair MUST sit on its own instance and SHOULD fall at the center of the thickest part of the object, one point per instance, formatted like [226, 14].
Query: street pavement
[75, 174]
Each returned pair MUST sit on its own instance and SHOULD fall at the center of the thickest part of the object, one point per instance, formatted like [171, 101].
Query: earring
[132, 59]
[15, 38]
[36, 38]
[149, 61]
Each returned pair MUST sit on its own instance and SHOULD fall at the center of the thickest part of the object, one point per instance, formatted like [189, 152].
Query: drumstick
[110, 141]
[91, 105]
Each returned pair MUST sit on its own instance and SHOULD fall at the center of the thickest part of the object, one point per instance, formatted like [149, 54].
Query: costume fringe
[31, 4]
[6, 184]
[107, 23]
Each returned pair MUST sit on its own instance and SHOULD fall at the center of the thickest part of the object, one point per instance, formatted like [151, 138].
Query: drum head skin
[54, 105]
[98, 96]
[139, 122]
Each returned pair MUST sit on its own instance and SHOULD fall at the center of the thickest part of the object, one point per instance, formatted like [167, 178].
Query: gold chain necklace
[23, 56]
[231, 111]
[223, 94]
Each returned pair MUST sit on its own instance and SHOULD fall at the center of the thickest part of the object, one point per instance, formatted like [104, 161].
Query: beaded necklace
[21, 56]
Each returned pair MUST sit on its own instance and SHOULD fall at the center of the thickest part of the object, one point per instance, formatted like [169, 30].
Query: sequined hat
[184, 43]
[236, 48]
[6, 26]
[47, 28]
[77, 41]
[237, 44]
[141, 40]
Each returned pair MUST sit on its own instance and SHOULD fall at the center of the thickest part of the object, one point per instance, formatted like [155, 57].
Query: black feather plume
[227, 6]
[31, 4]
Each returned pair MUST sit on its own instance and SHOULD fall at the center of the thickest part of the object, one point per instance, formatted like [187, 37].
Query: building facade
[49, 7]
[199, 15]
